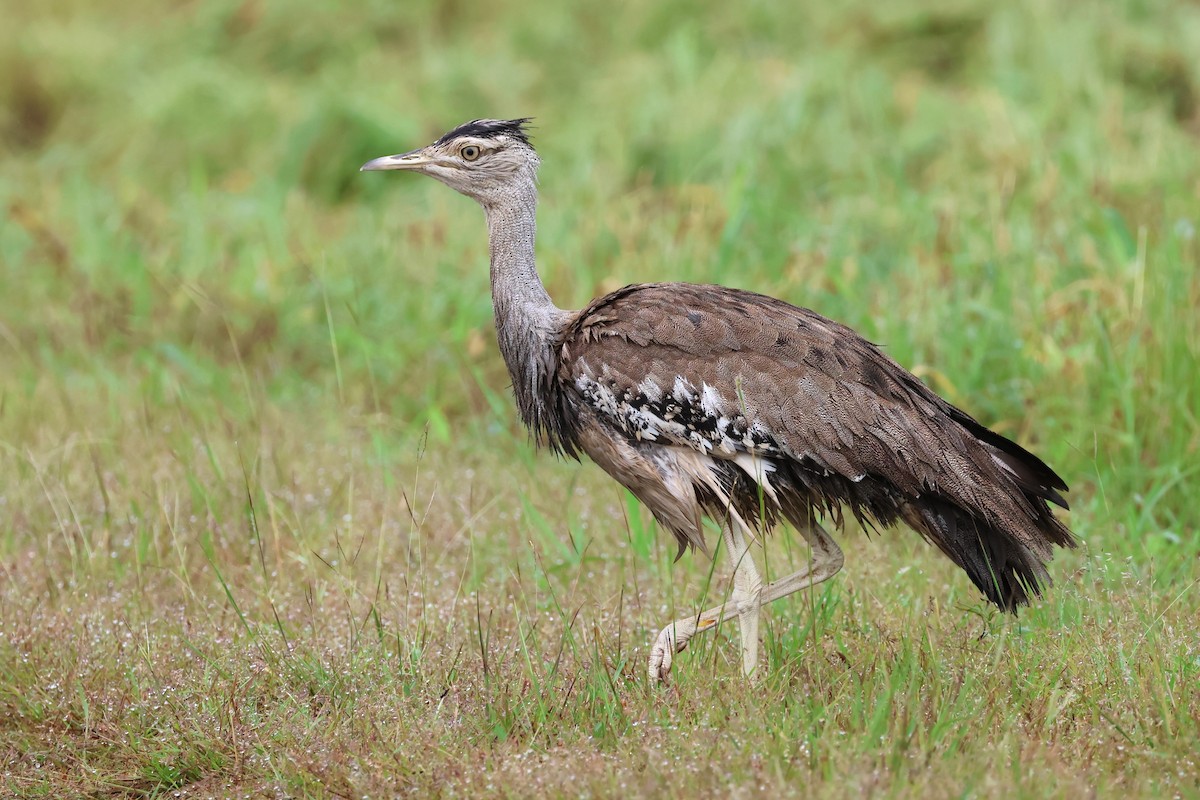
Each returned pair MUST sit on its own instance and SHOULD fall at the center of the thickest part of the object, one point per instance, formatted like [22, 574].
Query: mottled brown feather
[850, 425]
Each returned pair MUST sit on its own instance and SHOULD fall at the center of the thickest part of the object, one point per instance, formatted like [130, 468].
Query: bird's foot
[673, 639]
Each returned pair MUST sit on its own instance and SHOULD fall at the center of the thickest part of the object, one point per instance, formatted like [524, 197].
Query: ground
[269, 526]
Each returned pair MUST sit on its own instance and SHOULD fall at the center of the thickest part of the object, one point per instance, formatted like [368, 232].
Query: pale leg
[745, 600]
[746, 596]
[826, 561]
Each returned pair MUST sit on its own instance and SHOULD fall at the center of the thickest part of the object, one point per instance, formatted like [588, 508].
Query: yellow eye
[470, 152]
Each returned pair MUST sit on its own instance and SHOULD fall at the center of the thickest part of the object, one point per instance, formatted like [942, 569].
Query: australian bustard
[705, 400]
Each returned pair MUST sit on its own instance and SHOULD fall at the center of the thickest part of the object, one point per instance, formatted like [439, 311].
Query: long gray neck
[527, 321]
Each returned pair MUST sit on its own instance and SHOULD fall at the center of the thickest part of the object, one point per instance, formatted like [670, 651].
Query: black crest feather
[491, 129]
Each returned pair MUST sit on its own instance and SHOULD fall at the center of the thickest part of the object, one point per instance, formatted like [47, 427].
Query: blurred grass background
[258, 460]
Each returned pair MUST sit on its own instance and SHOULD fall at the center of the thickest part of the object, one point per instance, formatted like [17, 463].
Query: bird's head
[486, 159]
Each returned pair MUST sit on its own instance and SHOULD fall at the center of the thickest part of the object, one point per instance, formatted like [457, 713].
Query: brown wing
[727, 371]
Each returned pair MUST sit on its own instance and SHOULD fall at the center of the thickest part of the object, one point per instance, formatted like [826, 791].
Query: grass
[270, 527]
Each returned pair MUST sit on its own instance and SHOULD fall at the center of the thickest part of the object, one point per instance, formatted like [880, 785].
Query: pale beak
[411, 160]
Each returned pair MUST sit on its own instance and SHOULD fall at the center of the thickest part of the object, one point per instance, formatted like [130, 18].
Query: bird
[709, 401]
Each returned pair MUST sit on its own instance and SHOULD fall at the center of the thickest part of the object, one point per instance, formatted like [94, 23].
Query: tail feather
[1029, 478]
[1033, 475]
[1003, 545]
[1007, 572]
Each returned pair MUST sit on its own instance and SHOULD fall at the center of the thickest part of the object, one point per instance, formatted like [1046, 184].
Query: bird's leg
[826, 562]
[745, 602]
[747, 592]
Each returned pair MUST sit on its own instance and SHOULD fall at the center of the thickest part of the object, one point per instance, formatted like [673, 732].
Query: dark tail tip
[1005, 570]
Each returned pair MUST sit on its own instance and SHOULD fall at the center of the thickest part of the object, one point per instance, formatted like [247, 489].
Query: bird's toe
[670, 641]
[661, 656]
